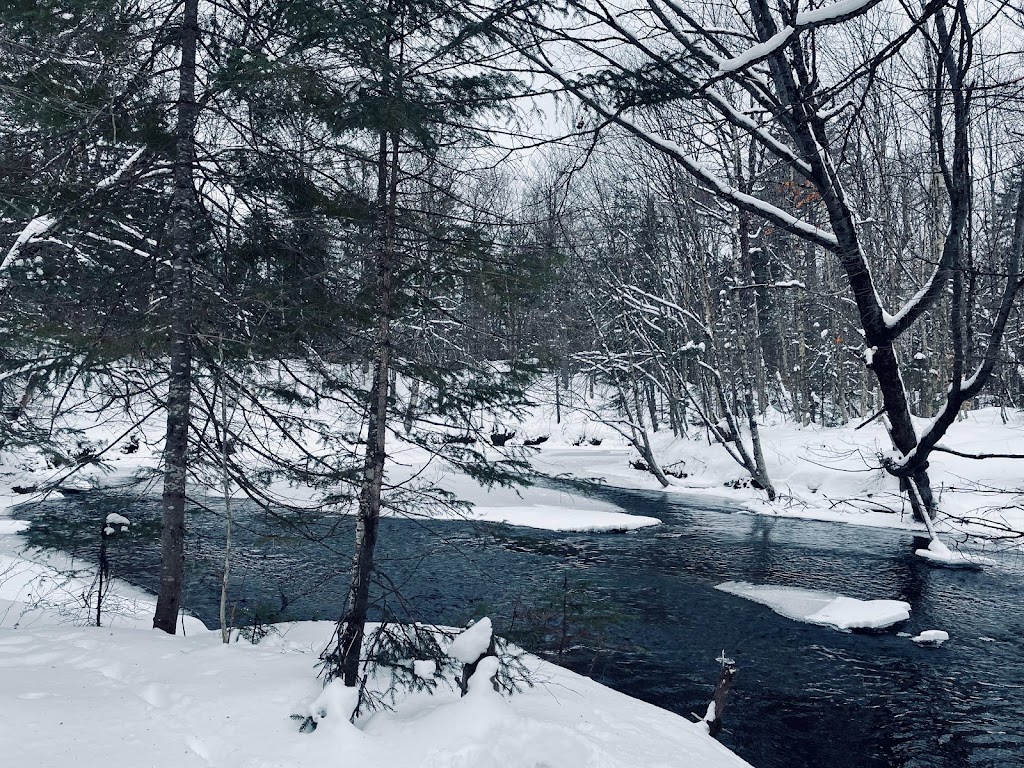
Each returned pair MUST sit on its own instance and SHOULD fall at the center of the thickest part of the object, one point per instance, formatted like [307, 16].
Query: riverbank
[125, 695]
[759, 550]
[829, 474]
[820, 473]
[190, 701]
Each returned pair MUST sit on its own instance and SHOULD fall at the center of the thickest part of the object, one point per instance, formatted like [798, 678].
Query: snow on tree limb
[33, 231]
[115, 177]
[834, 13]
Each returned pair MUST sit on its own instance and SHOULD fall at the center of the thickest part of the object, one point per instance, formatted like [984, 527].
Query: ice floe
[823, 608]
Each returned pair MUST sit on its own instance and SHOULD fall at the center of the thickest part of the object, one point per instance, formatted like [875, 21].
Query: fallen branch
[961, 454]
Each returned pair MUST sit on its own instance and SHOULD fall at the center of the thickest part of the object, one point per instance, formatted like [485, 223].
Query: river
[641, 614]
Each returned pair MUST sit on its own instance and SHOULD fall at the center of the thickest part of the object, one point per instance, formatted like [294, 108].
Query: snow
[560, 519]
[13, 526]
[931, 637]
[115, 177]
[335, 705]
[832, 12]
[823, 608]
[115, 519]
[820, 473]
[36, 227]
[757, 52]
[193, 702]
[424, 668]
[480, 683]
[939, 554]
[472, 643]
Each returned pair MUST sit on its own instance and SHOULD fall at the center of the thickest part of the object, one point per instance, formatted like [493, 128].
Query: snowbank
[179, 702]
[819, 473]
[823, 608]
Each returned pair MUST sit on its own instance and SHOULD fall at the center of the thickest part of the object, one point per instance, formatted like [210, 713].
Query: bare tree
[766, 72]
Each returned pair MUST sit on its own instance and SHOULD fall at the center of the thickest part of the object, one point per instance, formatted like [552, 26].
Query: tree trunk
[352, 627]
[901, 427]
[179, 387]
[225, 628]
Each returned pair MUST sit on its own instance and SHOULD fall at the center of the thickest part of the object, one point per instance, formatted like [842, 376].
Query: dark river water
[639, 612]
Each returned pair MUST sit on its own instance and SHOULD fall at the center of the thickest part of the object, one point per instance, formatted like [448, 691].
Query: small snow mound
[424, 669]
[472, 643]
[480, 682]
[822, 608]
[931, 637]
[335, 704]
[115, 519]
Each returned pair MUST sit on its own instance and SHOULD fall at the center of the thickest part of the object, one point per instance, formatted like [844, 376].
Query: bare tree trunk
[225, 628]
[179, 387]
[760, 472]
[352, 626]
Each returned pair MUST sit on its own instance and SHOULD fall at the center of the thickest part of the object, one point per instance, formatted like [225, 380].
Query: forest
[320, 257]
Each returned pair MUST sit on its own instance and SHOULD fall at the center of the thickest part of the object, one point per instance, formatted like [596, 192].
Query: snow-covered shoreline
[826, 474]
[189, 700]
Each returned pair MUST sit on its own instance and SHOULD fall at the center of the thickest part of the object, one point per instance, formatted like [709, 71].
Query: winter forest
[587, 383]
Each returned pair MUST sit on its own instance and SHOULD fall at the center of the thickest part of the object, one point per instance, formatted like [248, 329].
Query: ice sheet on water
[939, 554]
[13, 526]
[823, 608]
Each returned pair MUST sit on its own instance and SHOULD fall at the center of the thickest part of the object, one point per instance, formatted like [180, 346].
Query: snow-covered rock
[115, 519]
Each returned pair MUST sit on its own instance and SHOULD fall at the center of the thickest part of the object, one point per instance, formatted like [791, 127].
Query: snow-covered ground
[820, 473]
